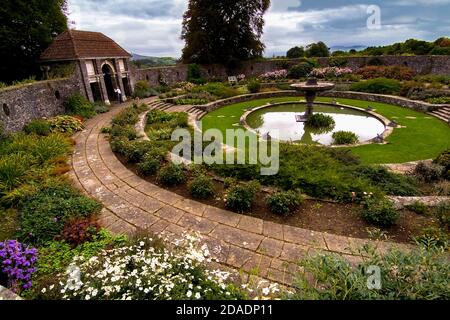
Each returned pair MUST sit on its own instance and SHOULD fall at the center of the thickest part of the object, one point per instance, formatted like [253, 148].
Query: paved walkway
[133, 205]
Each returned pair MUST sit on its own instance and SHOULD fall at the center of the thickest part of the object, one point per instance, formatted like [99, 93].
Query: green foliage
[101, 108]
[44, 214]
[56, 256]
[295, 52]
[418, 274]
[391, 72]
[78, 105]
[379, 212]
[300, 70]
[40, 127]
[338, 62]
[389, 182]
[444, 160]
[418, 207]
[345, 137]
[318, 49]
[217, 89]
[442, 212]
[32, 24]
[191, 101]
[13, 170]
[284, 203]
[9, 223]
[214, 37]
[254, 86]
[142, 90]
[379, 85]
[65, 124]
[433, 238]
[50, 147]
[151, 162]
[229, 182]
[172, 175]
[320, 120]
[194, 74]
[429, 172]
[240, 197]
[129, 115]
[201, 187]
[134, 151]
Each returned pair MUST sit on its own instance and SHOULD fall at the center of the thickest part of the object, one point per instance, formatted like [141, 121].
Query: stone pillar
[85, 80]
[131, 79]
[101, 82]
[119, 80]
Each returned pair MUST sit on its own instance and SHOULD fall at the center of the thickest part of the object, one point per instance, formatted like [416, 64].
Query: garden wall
[22, 104]
[436, 65]
[399, 101]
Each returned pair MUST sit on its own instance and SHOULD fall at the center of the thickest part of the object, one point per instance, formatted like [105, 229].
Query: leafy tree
[223, 31]
[27, 28]
[296, 52]
[318, 49]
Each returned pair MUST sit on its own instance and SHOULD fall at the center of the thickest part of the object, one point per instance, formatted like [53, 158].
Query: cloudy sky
[153, 27]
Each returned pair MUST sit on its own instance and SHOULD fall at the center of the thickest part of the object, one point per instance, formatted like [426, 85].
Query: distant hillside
[145, 61]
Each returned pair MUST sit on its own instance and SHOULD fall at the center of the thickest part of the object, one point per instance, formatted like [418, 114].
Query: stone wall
[437, 65]
[394, 100]
[20, 105]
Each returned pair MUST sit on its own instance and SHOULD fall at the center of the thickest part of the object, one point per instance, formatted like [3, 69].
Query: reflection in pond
[282, 118]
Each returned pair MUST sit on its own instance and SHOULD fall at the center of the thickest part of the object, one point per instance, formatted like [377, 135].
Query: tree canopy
[27, 28]
[223, 31]
[296, 52]
[318, 49]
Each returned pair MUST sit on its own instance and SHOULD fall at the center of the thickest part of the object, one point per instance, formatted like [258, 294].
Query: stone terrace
[133, 205]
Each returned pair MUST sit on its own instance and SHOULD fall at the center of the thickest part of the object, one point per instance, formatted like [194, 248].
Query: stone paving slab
[132, 205]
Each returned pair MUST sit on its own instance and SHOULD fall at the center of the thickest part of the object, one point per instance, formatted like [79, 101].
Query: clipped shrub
[134, 151]
[418, 207]
[79, 230]
[301, 70]
[320, 120]
[380, 212]
[128, 131]
[65, 124]
[151, 162]
[254, 86]
[240, 198]
[40, 127]
[44, 215]
[172, 175]
[444, 160]
[78, 105]
[284, 203]
[229, 182]
[379, 85]
[429, 172]
[201, 187]
[345, 137]
[101, 108]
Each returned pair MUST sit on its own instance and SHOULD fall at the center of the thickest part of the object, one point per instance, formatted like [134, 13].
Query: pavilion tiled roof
[76, 44]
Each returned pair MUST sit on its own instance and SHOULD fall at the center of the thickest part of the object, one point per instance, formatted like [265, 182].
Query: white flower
[44, 290]
[266, 291]
[189, 294]
[197, 296]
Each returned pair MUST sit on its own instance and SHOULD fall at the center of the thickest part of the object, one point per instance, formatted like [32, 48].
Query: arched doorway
[108, 74]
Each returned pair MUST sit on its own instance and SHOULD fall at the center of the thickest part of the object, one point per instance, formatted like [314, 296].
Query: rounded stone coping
[387, 132]
[318, 87]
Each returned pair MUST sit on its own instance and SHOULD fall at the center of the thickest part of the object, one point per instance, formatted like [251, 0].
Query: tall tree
[223, 31]
[27, 28]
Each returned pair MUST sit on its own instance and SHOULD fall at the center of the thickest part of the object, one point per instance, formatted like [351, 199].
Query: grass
[421, 136]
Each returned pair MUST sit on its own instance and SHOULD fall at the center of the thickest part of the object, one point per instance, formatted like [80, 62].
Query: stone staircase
[193, 112]
[442, 113]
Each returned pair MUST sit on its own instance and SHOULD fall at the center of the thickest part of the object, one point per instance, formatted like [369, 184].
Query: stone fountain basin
[320, 86]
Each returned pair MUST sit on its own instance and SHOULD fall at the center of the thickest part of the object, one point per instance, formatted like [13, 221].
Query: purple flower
[17, 263]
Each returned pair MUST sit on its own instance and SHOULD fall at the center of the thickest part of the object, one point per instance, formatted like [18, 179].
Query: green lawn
[424, 137]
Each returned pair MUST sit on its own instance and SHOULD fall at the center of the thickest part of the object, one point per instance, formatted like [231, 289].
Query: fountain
[311, 87]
